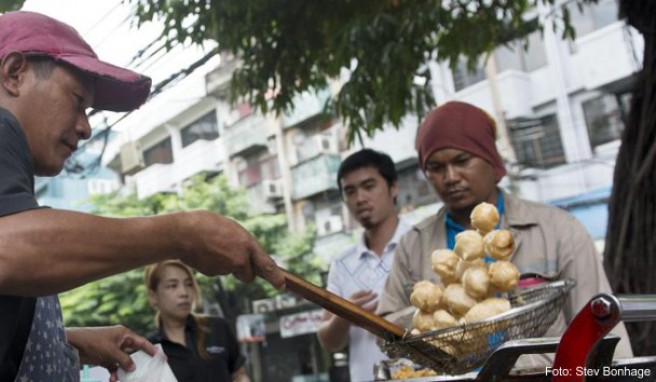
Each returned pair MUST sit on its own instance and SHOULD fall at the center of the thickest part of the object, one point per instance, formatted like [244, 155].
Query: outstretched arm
[47, 251]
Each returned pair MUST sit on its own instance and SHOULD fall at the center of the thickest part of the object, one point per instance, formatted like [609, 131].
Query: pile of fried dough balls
[469, 286]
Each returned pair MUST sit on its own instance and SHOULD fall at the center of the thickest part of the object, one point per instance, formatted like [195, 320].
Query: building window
[515, 57]
[414, 190]
[593, 16]
[464, 77]
[206, 127]
[159, 153]
[255, 171]
[250, 175]
[270, 168]
[603, 117]
[537, 141]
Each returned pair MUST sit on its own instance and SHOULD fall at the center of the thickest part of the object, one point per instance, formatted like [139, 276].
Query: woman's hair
[152, 278]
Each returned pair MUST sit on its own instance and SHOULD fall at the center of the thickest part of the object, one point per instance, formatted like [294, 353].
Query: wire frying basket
[462, 348]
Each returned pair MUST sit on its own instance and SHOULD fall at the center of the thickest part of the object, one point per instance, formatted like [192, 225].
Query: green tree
[295, 46]
[11, 5]
[122, 298]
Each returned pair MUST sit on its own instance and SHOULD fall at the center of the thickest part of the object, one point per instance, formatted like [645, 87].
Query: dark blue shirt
[16, 195]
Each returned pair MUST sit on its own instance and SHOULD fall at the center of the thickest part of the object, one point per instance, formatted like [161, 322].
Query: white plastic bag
[149, 369]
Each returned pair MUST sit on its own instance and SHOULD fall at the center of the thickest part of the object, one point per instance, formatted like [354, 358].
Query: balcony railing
[315, 175]
[247, 135]
[154, 179]
[200, 157]
[306, 106]
[607, 55]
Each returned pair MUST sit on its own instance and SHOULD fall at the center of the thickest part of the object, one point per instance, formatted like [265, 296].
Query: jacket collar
[517, 212]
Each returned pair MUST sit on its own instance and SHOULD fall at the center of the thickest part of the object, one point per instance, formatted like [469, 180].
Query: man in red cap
[49, 77]
[457, 152]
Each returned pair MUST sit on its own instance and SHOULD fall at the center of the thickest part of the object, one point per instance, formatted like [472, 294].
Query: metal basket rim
[559, 287]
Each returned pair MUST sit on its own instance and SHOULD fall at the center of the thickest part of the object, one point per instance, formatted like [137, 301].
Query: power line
[95, 25]
[74, 167]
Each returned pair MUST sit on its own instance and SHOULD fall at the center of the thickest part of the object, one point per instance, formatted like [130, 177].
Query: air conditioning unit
[272, 189]
[264, 306]
[326, 144]
[329, 225]
[132, 159]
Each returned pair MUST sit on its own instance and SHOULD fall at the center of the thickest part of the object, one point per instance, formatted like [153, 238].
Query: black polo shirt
[220, 344]
[16, 195]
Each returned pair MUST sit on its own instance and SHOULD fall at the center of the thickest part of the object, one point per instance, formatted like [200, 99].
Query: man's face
[461, 179]
[368, 196]
[54, 117]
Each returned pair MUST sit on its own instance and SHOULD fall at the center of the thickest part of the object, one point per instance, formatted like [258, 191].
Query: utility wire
[73, 167]
[98, 22]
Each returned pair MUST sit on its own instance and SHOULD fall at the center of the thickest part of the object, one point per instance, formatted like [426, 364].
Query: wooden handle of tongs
[343, 308]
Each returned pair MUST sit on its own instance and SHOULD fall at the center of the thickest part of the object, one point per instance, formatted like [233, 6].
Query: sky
[108, 27]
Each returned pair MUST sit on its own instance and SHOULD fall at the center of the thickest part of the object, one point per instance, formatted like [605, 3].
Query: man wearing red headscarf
[457, 152]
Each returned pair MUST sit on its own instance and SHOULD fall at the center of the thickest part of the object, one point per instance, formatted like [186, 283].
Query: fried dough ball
[484, 217]
[444, 264]
[476, 281]
[463, 265]
[426, 296]
[504, 275]
[443, 319]
[469, 245]
[499, 244]
[487, 308]
[422, 321]
[457, 300]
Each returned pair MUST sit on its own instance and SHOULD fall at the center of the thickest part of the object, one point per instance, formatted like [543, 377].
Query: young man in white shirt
[369, 186]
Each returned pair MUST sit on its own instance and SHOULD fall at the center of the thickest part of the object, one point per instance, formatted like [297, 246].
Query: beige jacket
[549, 242]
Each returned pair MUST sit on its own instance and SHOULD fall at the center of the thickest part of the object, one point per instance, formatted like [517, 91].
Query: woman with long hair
[199, 348]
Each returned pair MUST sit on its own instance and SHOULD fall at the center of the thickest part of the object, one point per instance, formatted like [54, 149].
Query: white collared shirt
[356, 269]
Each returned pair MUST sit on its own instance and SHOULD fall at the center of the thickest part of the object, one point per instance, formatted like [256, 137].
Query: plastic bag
[149, 369]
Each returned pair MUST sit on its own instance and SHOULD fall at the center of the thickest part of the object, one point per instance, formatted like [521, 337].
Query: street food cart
[488, 350]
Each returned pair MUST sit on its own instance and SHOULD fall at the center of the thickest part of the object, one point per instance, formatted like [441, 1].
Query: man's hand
[365, 299]
[218, 245]
[333, 333]
[108, 347]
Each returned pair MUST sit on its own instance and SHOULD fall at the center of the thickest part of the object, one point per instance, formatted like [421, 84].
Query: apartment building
[561, 107]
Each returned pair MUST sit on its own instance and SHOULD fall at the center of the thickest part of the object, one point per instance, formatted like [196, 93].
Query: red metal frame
[589, 326]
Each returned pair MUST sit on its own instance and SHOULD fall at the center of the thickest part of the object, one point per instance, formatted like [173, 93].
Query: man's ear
[13, 69]
[394, 190]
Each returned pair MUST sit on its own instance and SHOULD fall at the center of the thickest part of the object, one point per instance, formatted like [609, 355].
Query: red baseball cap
[116, 89]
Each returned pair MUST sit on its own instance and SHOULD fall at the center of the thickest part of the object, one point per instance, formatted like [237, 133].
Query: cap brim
[116, 89]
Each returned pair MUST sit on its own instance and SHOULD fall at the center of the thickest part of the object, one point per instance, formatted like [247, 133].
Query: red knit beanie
[459, 125]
